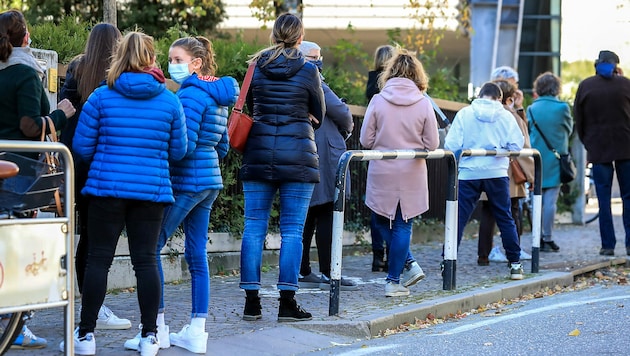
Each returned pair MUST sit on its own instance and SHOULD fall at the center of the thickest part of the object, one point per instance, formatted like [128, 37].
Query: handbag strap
[531, 116]
[245, 88]
[46, 120]
[43, 134]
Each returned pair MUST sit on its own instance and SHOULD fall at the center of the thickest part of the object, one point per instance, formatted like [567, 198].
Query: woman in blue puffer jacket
[287, 102]
[196, 178]
[127, 132]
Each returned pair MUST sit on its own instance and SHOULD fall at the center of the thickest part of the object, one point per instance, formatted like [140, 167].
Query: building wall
[328, 21]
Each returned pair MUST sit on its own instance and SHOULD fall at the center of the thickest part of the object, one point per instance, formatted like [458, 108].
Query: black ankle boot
[289, 309]
[253, 310]
[378, 264]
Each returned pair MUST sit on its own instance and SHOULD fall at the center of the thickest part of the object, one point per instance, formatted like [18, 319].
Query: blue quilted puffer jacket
[206, 107]
[128, 134]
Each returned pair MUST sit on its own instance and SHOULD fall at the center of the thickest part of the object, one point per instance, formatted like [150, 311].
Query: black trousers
[106, 219]
[487, 225]
[319, 220]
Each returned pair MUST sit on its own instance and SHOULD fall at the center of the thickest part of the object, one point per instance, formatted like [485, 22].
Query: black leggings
[106, 219]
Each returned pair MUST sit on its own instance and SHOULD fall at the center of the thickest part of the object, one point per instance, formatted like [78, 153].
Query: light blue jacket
[206, 107]
[128, 134]
[487, 125]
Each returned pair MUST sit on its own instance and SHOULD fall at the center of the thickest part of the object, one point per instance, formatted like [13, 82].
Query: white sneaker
[149, 345]
[108, 320]
[82, 346]
[525, 255]
[395, 290]
[162, 335]
[411, 275]
[191, 340]
[496, 255]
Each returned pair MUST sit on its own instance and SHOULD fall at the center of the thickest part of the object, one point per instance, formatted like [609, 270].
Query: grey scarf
[23, 55]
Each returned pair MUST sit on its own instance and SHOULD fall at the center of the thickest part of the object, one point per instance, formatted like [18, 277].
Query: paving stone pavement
[358, 310]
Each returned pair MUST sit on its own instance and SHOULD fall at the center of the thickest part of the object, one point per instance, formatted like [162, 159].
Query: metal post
[339, 203]
[450, 227]
[536, 211]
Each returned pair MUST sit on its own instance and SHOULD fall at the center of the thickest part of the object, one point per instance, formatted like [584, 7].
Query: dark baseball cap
[608, 57]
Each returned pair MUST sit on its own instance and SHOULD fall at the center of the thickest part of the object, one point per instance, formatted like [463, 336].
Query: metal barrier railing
[450, 223]
[54, 233]
[339, 205]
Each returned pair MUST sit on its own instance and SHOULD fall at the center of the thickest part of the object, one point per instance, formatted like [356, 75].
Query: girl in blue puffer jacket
[127, 133]
[196, 178]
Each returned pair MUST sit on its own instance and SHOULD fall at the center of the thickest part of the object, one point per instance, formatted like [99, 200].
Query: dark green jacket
[22, 97]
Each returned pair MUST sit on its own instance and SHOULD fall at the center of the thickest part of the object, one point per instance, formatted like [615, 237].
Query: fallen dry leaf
[575, 332]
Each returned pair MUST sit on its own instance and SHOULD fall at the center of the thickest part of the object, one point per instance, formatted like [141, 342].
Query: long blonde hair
[135, 53]
[405, 65]
[287, 32]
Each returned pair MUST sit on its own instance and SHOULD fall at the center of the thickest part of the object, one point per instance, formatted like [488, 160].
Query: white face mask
[179, 72]
[28, 43]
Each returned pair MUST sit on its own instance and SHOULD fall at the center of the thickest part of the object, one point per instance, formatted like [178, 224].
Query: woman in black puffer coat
[287, 103]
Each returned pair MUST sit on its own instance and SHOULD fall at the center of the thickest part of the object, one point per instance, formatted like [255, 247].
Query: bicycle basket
[33, 188]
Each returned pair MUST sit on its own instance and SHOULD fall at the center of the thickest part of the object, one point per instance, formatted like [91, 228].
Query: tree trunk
[109, 12]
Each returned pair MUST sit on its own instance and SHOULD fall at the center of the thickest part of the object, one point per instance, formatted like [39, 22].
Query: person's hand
[66, 106]
[518, 99]
[313, 118]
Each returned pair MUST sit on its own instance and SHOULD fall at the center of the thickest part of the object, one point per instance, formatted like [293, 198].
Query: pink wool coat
[399, 117]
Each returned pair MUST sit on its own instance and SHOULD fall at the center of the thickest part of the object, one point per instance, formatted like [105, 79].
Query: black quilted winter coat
[281, 144]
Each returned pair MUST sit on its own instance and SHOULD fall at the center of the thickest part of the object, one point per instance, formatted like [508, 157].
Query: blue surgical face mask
[179, 72]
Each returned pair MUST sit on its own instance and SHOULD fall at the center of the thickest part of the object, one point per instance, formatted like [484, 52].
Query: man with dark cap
[602, 120]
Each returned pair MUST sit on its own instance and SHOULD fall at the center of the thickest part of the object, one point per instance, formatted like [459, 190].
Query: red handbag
[240, 123]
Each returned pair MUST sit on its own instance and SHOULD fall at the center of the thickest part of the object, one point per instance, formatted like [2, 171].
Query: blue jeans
[603, 176]
[294, 201]
[397, 235]
[498, 192]
[549, 205]
[193, 209]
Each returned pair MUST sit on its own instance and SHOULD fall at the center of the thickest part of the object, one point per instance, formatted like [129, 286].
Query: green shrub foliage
[68, 35]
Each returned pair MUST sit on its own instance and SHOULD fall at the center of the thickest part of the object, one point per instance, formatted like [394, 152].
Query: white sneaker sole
[106, 326]
[197, 349]
[415, 279]
[397, 294]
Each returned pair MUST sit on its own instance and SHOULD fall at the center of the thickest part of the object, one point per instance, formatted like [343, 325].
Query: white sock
[198, 324]
[160, 319]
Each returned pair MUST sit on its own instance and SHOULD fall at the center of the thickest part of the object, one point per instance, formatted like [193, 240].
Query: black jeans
[81, 204]
[488, 223]
[106, 219]
[319, 220]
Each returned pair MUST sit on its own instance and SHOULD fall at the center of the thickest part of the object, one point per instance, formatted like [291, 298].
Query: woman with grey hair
[553, 117]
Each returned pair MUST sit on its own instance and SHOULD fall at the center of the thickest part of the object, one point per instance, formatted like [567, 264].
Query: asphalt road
[592, 321]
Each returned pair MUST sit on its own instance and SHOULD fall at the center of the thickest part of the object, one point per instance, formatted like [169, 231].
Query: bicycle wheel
[10, 327]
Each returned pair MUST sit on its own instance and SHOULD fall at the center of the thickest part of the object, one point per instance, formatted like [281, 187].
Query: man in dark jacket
[330, 141]
[602, 121]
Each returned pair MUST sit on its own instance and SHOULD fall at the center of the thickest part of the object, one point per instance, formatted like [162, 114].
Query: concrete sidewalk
[363, 313]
